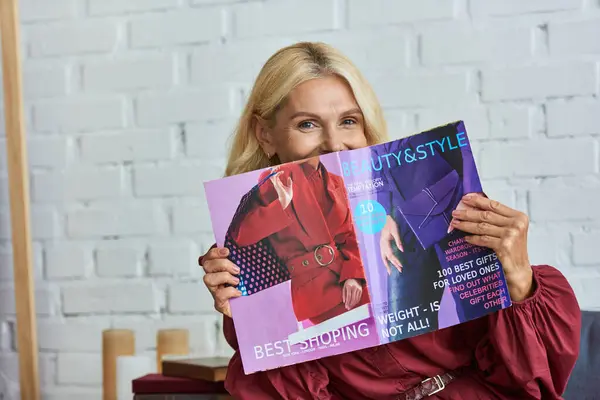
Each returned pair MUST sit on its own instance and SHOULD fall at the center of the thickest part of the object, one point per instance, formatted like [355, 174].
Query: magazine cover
[354, 249]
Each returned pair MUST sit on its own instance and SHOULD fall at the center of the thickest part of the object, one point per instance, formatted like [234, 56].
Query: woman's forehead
[321, 95]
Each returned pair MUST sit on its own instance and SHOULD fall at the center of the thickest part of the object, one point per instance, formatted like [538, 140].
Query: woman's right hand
[390, 233]
[284, 192]
[218, 272]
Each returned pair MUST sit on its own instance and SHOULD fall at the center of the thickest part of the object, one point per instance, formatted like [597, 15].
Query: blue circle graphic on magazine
[369, 216]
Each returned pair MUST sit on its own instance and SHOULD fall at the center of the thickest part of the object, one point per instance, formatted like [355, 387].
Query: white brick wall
[135, 72]
[280, 18]
[68, 260]
[122, 258]
[111, 297]
[79, 369]
[540, 82]
[40, 10]
[129, 106]
[116, 7]
[134, 146]
[71, 38]
[194, 26]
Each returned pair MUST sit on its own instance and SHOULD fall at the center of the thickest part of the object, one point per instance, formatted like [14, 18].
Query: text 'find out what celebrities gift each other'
[354, 249]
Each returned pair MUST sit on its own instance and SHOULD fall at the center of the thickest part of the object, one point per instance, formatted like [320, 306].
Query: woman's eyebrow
[353, 111]
[304, 114]
[312, 115]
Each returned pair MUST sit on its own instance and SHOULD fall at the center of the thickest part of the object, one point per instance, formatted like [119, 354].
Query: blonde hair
[283, 71]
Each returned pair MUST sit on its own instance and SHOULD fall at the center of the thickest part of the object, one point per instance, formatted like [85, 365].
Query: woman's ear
[263, 135]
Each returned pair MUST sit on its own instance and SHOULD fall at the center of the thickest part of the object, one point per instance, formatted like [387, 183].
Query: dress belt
[322, 256]
[428, 387]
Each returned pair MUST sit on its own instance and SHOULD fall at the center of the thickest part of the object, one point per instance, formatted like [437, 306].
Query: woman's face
[320, 116]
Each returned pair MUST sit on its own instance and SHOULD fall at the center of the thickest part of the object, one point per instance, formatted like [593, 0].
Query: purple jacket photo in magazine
[422, 187]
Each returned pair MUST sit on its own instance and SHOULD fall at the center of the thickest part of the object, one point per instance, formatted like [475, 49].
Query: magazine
[354, 249]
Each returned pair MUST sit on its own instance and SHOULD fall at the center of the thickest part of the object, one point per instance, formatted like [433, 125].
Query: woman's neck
[314, 162]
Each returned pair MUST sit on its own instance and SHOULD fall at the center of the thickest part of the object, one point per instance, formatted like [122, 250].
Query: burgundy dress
[524, 352]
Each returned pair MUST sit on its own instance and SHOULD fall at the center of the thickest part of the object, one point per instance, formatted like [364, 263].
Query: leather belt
[322, 256]
[428, 387]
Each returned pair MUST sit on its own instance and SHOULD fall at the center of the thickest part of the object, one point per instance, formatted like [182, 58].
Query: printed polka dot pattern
[260, 268]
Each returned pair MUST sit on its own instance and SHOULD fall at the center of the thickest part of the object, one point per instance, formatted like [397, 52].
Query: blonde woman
[309, 100]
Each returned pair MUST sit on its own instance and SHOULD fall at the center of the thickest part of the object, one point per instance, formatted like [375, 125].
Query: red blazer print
[311, 231]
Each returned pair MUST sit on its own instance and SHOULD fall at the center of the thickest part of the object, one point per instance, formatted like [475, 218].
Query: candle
[171, 342]
[128, 369]
[115, 343]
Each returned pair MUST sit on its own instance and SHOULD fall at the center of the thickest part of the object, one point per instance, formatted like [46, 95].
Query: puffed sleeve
[300, 381]
[530, 349]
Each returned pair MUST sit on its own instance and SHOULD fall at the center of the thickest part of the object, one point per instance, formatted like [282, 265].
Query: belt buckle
[438, 381]
[319, 258]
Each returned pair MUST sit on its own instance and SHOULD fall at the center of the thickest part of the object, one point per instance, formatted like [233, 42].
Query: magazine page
[290, 231]
[353, 249]
[422, 274]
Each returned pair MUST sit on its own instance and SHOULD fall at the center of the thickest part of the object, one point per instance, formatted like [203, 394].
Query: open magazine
[354, 249]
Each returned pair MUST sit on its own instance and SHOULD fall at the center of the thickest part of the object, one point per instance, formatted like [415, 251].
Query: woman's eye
[349, 121]
[306, 125]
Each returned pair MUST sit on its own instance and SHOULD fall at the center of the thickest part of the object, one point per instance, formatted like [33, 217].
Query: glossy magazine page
[353, 249]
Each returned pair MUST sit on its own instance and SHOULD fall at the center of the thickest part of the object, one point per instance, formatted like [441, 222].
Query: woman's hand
[219, 271]
[460, 206]
[390, 233]
[284, 193]
[351, 293]
[503, 230]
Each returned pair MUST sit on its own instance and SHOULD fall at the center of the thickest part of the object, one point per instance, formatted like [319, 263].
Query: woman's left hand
[351, 293]
[504, 230]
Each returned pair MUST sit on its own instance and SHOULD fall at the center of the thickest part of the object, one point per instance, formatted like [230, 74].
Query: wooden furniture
[18, 180]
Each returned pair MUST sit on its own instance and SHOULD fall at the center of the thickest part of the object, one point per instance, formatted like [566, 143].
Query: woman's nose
[332, 140]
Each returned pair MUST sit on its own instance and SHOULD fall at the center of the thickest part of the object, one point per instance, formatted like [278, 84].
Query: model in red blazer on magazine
[301, 208]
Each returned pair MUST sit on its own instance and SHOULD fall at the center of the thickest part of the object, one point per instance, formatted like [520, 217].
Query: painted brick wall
[129, 104]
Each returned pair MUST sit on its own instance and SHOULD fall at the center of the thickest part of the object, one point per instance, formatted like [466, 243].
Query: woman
[310, 100]
[308, 224]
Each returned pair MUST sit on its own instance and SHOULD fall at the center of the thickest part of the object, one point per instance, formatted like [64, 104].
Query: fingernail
[236, 269]
[224, 251]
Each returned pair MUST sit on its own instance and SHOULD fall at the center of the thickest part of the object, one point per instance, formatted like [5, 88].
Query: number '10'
[368, 208]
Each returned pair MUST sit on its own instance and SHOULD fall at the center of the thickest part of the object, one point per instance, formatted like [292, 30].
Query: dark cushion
[585, 379]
